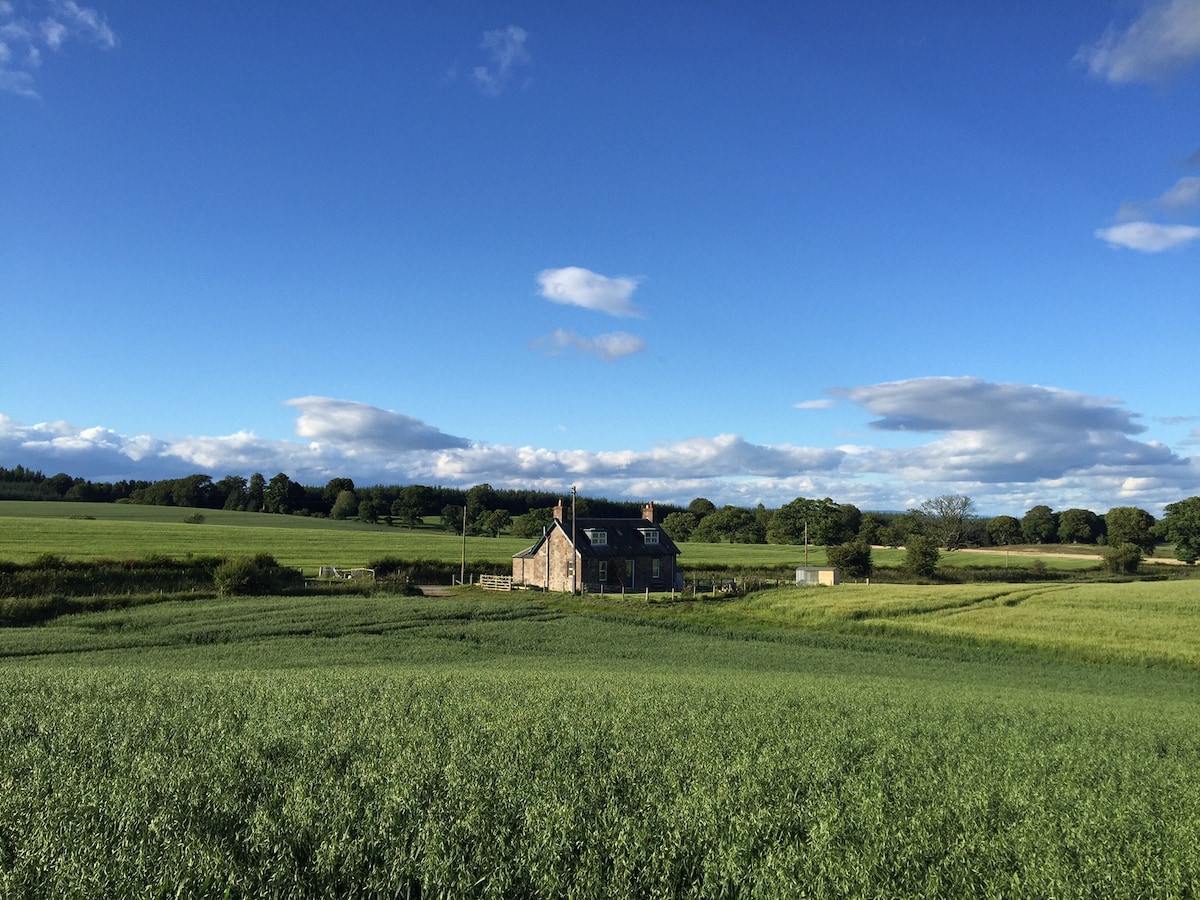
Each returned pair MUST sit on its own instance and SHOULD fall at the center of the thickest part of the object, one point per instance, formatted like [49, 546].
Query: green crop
[787, 744]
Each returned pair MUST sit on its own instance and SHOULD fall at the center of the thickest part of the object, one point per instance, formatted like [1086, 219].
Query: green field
[86, 531]
[885, 741]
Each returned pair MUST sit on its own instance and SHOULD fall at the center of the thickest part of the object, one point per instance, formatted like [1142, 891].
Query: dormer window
[649, 535]
[598, 536]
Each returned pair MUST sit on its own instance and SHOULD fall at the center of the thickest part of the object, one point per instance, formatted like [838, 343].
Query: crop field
[888, 741]
[87, 531]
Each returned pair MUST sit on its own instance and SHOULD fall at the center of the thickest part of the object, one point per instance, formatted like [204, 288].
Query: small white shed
[817, 575]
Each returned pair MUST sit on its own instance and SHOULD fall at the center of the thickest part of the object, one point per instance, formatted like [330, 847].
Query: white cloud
[358, 427]
[814, 404]
[1148, 237]
[46, 24]
[506, 51]
[1003, 433]
[575, 286]
[1183, 194]
[1009, 446]
[1180, 197]
[53, 33]
[608, 347]
[1165, 39]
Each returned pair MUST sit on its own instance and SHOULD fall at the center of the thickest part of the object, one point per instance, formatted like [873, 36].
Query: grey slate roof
[624, 539]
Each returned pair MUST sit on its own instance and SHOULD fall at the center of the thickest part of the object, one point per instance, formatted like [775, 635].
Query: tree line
[339, 498]
[948, 522]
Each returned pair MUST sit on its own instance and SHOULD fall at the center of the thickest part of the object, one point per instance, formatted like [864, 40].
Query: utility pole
[462, 575]
[806, 543]
[574, 547]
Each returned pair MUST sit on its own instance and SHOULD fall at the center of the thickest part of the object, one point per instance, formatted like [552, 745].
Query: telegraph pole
[574, 547]
[462, 575]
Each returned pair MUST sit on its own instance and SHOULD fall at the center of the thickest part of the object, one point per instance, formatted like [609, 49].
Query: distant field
[128, 531]
[124, 531]
[828, 742]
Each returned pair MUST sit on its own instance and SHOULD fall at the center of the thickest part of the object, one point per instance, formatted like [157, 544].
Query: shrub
[194, 519]
[254, 575]
[921, 556]
[853, 558]
[1123, 559]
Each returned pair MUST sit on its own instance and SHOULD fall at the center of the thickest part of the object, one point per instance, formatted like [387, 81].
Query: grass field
[84, 531]
[128, 531]
[891, 741]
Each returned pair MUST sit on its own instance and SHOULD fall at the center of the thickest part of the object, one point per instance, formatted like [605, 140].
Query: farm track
[992, 551]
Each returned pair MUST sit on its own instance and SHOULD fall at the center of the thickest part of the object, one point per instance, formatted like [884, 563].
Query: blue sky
[872, 251]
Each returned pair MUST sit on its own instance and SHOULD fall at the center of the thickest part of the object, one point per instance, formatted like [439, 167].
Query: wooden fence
[495, 582]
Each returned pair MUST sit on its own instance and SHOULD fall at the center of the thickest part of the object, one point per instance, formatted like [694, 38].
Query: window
[604, 570]
[656, 568]
[650, 535]
[598, 536]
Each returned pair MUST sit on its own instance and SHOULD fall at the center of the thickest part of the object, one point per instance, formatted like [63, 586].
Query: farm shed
[600, 555]
[817, 575]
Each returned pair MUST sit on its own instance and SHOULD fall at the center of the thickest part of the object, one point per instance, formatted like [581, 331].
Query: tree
[480, 499]
[496, 521]
[1181, 524]
[1130, 525]
[1123, 559]
[680, 526]
[731, 523]
[824, 520]
[233, 489]
[452, 518]
[282, 495]
[532, 523]
[853, 558]
[701, 507]
[1078, 526]
[870, 528]
[333, 490]
[415, 501]
[949, 516]
[1003, 530]
[255, 492]
[1039, 525]
[61, 483]
[368, 511]
[345, 505]
[851, 517]
[921, 556]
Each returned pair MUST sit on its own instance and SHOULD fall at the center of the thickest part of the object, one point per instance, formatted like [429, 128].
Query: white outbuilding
[824, 575]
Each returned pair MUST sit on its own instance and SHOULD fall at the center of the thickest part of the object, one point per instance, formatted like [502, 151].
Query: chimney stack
[648, 511]
[558, 511]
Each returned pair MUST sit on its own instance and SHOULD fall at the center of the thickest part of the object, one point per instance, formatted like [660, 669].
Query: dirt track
[1157, 560]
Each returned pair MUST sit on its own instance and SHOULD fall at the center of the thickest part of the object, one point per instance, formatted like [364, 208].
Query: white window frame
[656, 568]
[650, 535]
[598, 537]
[603, 570]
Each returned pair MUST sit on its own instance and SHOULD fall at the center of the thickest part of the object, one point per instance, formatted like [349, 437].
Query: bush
[1124, 559]
[852, 559]
[921, 556]
[253, 576]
